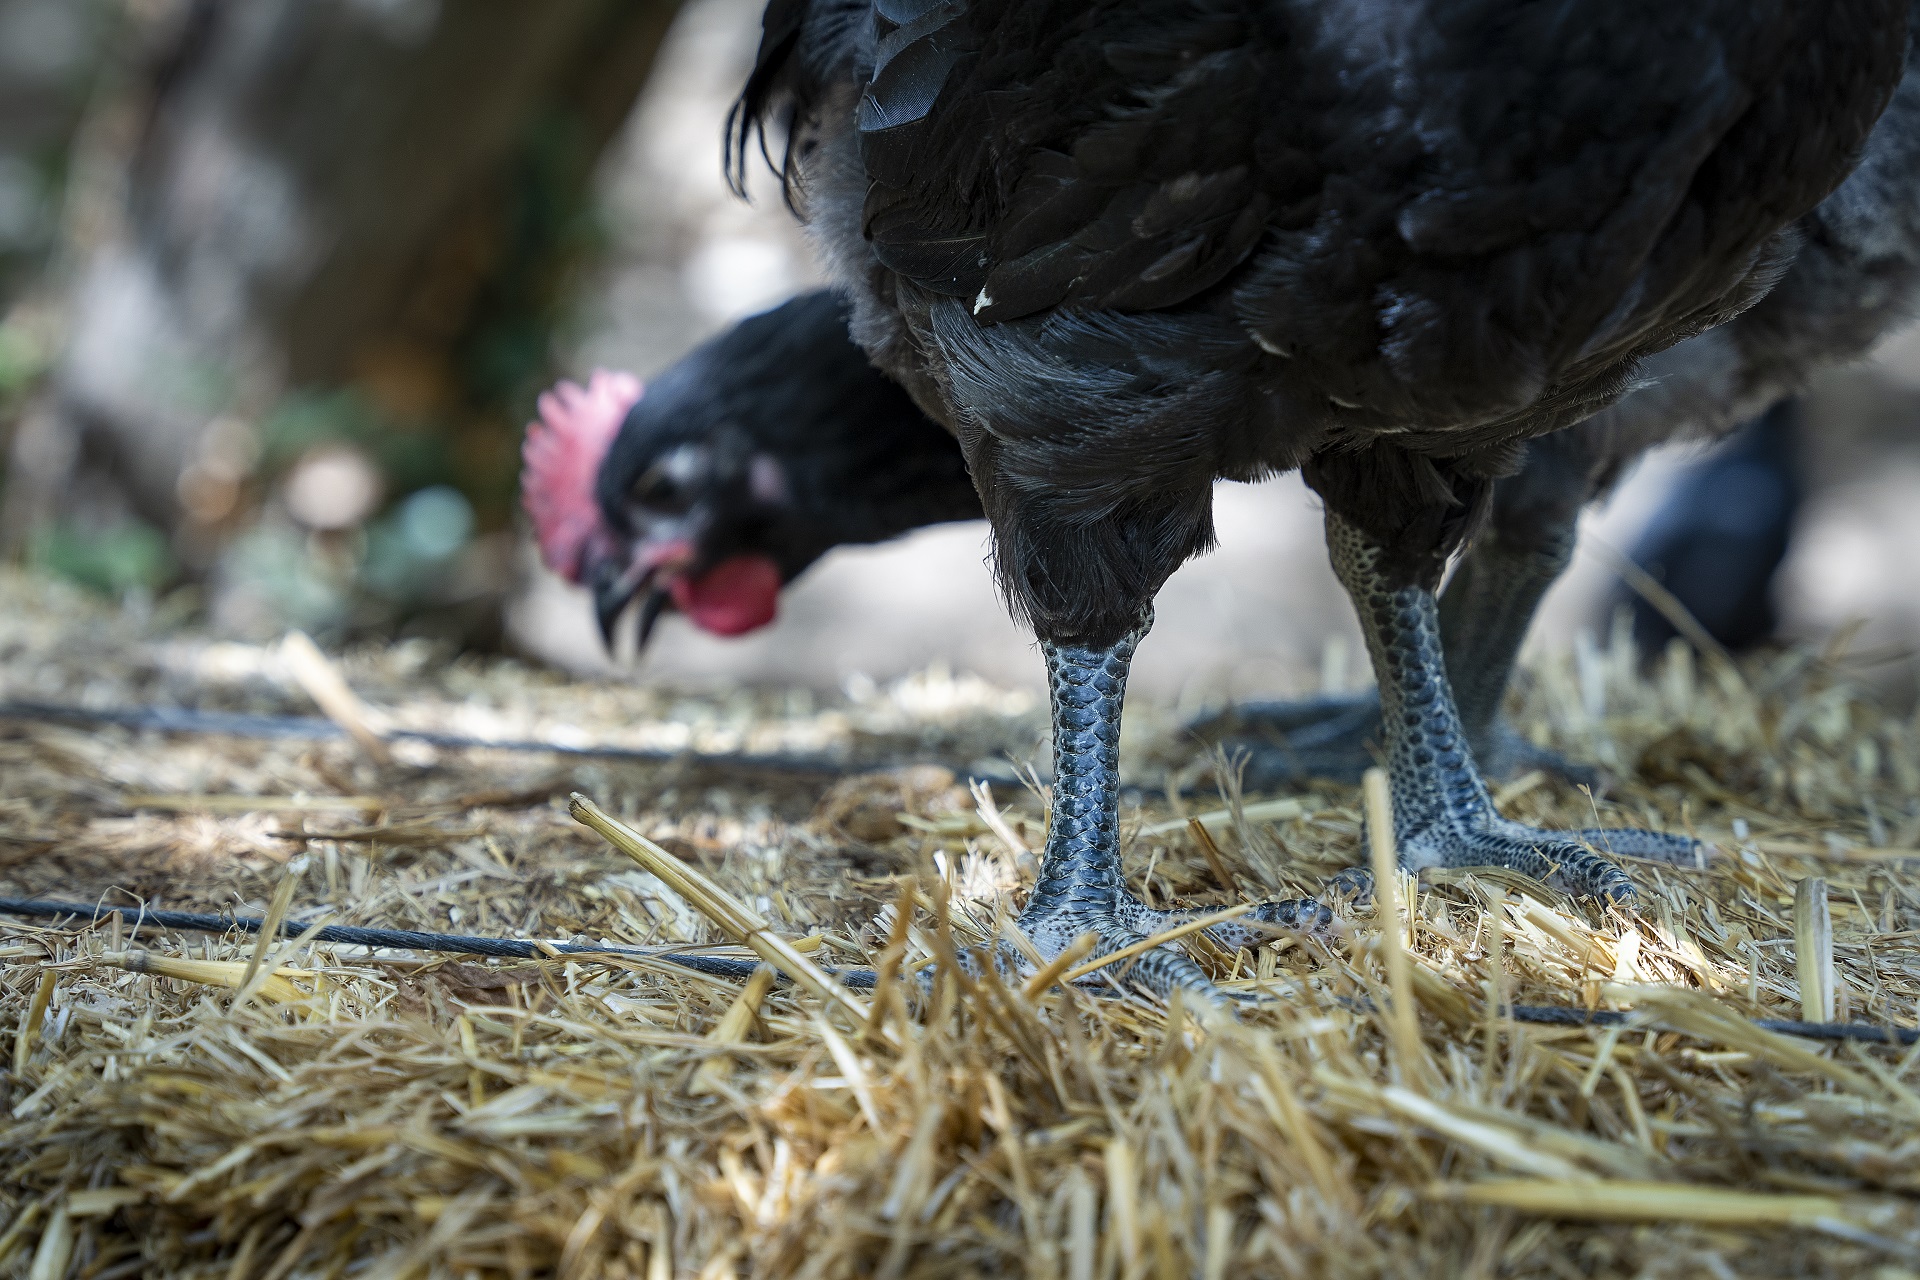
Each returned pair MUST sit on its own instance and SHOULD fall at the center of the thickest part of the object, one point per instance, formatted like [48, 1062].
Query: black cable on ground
[729, 967]
[243, 724]
[403, 939]
[1562, 1016]
[239, 724]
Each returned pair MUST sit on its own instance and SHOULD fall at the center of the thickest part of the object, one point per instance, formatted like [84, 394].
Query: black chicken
[1720, 536]
[740, 466]
[1125, 249]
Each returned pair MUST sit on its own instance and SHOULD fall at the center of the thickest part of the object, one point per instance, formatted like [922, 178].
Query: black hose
[729, 967]
[1562, 1016]
[239, 724]
[404, 939]
[242, 724]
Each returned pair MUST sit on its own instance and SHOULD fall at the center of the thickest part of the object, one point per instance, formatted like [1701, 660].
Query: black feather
[747, 119]
[860, 462]
[1130, 246]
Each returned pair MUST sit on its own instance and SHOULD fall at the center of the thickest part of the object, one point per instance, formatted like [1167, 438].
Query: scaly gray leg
[1488, 606]
[1484, 616]
[1443, 815]
[1080, 889]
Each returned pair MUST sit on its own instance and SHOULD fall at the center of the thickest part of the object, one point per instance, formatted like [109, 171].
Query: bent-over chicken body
[1124, 249]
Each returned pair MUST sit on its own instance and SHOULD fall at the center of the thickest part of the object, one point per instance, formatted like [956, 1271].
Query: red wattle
[738, 595]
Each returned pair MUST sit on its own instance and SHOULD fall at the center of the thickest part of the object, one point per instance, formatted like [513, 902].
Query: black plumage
[1717, 541]
[1125, 249]
[1468, 220]
[777, 438]
[857, 462]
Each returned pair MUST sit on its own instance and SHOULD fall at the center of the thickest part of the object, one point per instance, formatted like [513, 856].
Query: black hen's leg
[1489, 604]
[1484, 617]
[1485, 614]
[1443, 816]
[1488, 607]
[1390, 524]
[1080, 889]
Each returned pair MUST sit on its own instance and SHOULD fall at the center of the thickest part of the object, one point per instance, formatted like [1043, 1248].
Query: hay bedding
[185, 1105]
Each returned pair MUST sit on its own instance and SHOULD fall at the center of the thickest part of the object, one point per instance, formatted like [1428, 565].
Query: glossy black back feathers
[1133, 245]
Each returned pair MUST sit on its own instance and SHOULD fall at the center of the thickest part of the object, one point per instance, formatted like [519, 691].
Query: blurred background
[281, 279]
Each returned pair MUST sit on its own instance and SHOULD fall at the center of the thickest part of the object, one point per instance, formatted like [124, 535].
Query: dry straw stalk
[395, 1114]
[741, 923]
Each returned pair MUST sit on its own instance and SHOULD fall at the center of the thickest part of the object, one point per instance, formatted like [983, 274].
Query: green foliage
[113, 561]
[408, 455]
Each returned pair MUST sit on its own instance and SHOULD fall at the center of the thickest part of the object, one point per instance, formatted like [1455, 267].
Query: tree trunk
[342, 219]
[50, 53]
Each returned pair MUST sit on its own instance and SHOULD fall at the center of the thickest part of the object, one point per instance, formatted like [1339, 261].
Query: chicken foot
[1080, 888]
[1443, 814]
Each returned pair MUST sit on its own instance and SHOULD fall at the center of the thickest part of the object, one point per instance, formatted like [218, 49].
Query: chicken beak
[615, 586]
[646, 570]
[650, 610]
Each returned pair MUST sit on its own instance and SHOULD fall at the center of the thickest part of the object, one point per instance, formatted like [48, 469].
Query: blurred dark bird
[1720, 536]
[738, 468]
[1123, 250]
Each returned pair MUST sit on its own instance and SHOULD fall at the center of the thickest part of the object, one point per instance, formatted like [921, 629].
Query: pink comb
[563, 453]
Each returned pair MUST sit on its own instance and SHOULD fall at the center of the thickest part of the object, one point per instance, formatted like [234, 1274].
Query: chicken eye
[658, 490]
